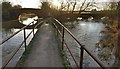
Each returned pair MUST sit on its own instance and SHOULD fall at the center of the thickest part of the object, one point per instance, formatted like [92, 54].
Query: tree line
[68, 6]
[5, 10]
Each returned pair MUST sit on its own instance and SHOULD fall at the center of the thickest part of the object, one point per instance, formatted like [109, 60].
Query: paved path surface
[44, 52]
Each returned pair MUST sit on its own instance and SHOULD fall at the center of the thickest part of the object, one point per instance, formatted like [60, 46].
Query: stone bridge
[14, 13]
[63, 14]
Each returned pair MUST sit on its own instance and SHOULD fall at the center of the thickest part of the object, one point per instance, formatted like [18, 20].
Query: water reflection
[9, 47]
[6, 32]
[29, 20]
[26, 18]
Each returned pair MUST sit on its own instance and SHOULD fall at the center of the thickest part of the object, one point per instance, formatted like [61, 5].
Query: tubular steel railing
[24, 41]
[61, 31]
[55, 22]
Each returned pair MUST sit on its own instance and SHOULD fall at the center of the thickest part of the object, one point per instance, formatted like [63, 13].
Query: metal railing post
[25, 39]
[62, 38]
[57, 32]
[23, 42]
[81, 57]
[82, 47]
[33, 29]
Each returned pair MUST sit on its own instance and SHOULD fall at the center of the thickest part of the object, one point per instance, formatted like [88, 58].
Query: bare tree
[86, 5]
[68, 6]
[65, 5]
[74, 5]
[82, 6]
[110, 5]
[113, 5]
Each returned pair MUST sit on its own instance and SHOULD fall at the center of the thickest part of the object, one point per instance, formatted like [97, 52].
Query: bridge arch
[14, 13]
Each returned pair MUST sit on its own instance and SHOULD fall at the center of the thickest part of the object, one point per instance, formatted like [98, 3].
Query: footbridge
[46, 49]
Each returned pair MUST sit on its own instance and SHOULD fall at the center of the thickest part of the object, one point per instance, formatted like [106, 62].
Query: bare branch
[74, 6]
[88, 4]
[82, 6]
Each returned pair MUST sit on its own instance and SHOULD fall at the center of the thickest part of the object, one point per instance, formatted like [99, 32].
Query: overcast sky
[36, 3]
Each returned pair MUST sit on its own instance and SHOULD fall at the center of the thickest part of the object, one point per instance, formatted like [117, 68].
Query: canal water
[88, 34]
[9, 47]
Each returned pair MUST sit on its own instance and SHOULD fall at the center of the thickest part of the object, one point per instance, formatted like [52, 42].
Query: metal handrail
[66, 46]
[82, 47]
[3, 41]
[24, 41]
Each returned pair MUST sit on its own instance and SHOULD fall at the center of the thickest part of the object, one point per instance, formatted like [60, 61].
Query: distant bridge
[17, 12]
[41, 13]
[84, 14]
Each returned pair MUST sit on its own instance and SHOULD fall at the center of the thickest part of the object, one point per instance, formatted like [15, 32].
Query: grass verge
[62, 53]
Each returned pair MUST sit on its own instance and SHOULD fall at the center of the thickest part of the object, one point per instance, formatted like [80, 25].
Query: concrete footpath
[44, 52]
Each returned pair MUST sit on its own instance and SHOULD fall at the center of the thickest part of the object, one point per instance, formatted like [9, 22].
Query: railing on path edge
[24, 41]
[55, 22]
